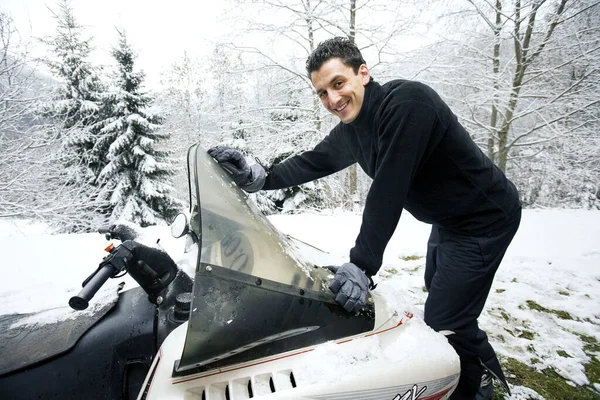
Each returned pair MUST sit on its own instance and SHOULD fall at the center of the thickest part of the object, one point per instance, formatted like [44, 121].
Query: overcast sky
[160, 31]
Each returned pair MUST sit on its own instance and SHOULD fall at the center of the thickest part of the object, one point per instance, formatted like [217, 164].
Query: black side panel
[107, 363]
[27, 345]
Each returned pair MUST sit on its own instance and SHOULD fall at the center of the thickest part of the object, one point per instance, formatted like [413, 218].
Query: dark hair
[337, 47]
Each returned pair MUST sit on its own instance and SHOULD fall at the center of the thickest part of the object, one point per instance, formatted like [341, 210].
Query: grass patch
[592, 349]
[591, 344]
[547, 383]
[415, 269]
[592, 371]
[509, 331]
[500, 290]
[564, 293]
[411, 258]
[527, 335]
[392, 270]
[505, 316]
[563, 353]
[559, 313]
[499, 394]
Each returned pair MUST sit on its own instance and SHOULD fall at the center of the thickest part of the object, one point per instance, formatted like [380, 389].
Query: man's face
[341, 90]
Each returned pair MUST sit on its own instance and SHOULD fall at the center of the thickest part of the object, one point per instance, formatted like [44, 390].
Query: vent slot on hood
[244, 388]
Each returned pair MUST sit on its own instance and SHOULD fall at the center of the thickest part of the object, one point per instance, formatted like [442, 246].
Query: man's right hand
[251, 179]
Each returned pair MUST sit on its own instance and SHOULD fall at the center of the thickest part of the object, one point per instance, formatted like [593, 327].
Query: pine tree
[281, 128]
[290, 124]
[137, 174]
[77, 105]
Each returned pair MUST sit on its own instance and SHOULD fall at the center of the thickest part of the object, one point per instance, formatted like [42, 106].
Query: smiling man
[340, 88]
[421, 159]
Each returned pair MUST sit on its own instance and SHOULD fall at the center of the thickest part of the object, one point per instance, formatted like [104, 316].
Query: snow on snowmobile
[251, 320]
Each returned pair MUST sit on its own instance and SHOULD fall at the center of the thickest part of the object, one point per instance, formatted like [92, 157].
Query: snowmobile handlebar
[90, 287]
[114, 263]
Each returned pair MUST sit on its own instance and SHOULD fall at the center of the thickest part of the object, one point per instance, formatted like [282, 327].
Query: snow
[553, 261]
[351, 359]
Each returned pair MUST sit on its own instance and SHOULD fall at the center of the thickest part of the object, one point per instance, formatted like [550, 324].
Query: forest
[82, 144]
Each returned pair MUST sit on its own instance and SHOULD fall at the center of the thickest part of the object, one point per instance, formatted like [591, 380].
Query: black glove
[121, 231]
[249, 178]
[351, 285]
[154, 269]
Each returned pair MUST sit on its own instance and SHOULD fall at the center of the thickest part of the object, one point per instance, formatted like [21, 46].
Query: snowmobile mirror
[179, 227]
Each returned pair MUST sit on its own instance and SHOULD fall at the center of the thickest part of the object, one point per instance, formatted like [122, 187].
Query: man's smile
[342, 107]
[341, 88]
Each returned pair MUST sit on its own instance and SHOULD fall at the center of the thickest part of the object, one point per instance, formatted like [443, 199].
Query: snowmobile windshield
[253, 295]
[234, 234]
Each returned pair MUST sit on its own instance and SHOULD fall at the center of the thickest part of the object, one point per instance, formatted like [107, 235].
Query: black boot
[486, 388]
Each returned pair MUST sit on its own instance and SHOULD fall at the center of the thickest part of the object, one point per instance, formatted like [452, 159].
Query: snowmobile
[251, 319]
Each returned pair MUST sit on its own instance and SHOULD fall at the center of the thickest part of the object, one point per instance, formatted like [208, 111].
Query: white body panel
[373, 370]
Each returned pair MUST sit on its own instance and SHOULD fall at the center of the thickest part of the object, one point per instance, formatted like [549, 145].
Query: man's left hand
[351, 286]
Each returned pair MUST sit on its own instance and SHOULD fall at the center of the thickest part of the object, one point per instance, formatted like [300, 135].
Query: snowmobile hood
[253, 295]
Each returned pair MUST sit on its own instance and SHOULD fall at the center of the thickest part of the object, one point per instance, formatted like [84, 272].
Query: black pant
[458, 276]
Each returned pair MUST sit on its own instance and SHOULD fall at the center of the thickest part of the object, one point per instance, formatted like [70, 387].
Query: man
[420, 158]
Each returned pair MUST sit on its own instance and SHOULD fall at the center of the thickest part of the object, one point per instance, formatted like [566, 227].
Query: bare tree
[32, 178]
[16, 78]
[289, 31]
[183, 104]
[516, 60]
[523, 77]
[16, 105]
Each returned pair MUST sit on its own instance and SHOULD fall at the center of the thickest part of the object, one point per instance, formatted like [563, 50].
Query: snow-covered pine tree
[290, 124]
[182, 101]
[77, 105]
[137, 174]
[68, 120]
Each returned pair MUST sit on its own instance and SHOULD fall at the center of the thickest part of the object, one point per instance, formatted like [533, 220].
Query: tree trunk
[524, 58]
[353, 177]
[311, 42]
[496, 68]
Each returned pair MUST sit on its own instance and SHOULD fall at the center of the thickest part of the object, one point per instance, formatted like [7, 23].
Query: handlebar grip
[81, 301]
[104, 229]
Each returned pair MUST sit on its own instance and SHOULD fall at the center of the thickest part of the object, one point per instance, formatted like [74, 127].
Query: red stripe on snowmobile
[409, 315]
[437, 396]
[148, 387]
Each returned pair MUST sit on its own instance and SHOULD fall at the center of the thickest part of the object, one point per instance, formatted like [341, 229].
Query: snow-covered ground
[553, 262]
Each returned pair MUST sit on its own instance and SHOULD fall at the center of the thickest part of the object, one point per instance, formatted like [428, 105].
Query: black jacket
[420, 158]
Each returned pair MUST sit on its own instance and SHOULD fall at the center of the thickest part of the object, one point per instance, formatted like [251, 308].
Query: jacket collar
[370, 105]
